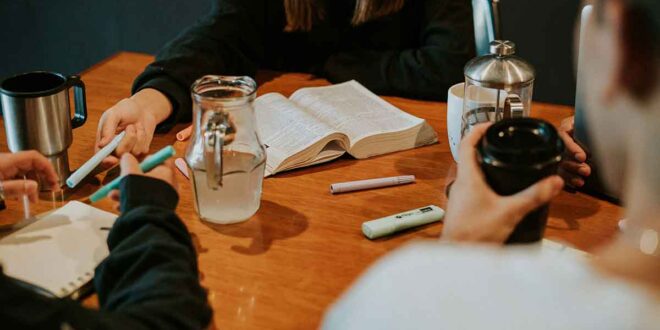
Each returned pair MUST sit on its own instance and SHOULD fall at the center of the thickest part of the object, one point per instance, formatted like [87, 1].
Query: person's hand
[138, 116]
[30, 164]
[573, 167]
[475, 212]
[130, 166]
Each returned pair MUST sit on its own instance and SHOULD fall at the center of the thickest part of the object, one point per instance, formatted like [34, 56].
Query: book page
[352, 109]
[286, 129]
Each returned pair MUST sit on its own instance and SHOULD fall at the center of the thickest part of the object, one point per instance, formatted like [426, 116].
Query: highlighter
[93, 162]
[147, 165]
[394, 223]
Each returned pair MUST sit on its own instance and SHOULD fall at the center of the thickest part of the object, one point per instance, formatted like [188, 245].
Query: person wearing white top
[468, 280]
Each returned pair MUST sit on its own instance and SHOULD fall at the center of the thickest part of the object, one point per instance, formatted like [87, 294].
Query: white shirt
[437, 286]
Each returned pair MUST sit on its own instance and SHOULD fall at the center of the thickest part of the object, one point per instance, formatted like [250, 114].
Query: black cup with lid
[514, 154]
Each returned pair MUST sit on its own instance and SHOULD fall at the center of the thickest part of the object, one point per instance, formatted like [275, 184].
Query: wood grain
[282, 268]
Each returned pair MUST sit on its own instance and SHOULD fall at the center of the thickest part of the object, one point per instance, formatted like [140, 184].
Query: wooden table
[286, 265]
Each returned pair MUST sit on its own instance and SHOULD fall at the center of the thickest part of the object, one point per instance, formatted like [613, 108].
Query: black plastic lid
[521, 142]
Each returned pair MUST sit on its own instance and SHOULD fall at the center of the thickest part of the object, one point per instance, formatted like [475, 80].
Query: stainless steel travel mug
[37, 115]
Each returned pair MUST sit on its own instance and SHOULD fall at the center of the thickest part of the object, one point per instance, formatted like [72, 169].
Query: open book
[319, 124]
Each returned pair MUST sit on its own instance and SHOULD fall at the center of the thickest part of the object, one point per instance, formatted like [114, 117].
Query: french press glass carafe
[497, 86]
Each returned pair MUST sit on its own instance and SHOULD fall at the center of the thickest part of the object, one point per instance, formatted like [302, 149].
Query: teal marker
[147, 165]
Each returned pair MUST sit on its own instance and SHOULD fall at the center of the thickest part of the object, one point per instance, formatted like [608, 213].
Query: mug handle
[80, 114]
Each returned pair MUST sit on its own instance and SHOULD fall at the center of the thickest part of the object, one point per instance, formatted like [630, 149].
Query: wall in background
[543, 32]
[71, 35]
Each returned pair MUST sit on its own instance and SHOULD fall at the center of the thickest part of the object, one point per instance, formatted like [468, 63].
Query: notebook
[59, 251]
[319, 124]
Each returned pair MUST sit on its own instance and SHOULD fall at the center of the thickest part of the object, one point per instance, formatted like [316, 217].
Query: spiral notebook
[57, 253]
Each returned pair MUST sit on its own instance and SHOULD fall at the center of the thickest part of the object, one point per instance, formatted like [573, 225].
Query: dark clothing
[149, 281]
[418, 52]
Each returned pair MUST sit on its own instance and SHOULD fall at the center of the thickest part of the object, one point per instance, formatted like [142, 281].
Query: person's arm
[149, 281]
[228, 41]
[447, 38]
[151, 275]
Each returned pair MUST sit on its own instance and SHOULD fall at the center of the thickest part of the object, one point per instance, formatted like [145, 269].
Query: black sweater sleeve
[227, 41]
[235, 38]
[447, 43]
[149, 281]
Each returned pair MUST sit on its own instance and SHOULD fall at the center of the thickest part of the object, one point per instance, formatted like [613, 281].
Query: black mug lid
[521, 142]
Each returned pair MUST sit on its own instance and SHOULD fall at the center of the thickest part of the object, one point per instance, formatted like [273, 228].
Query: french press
[497, 86]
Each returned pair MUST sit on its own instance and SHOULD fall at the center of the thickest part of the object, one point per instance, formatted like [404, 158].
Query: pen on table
[84, 170]
[341, 187]
[184, 134]
[147, 165]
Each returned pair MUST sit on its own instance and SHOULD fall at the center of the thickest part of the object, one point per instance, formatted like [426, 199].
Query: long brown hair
[301, 14]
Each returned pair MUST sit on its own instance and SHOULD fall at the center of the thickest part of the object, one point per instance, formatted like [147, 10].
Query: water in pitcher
[239, 196]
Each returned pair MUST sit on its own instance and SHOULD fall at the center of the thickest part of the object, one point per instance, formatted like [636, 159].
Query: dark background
[71, 35]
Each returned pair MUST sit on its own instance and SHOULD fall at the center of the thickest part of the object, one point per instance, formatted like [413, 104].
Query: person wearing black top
[410, 48]
[149, 280]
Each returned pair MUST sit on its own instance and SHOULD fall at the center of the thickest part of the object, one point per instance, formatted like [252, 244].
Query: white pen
[341, 187]
[84, 170]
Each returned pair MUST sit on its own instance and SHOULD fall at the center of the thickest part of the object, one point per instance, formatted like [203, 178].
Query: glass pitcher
[497, 86]
[225, 156]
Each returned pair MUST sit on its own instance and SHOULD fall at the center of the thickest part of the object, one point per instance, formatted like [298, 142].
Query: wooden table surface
[282, 268]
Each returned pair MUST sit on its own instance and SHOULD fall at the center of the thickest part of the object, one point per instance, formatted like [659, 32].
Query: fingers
[16, 188]
[470, 141]
[114, 195]
[571, 179]
[572, 148]
[142, 142]
[573, 172]
[165, 172]
[129, 165]
[109, 162]
[467, 151]
[582, 169]
[128, 142]
[24, 162]
[567, 125]
[107, 127]
[533, 197]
